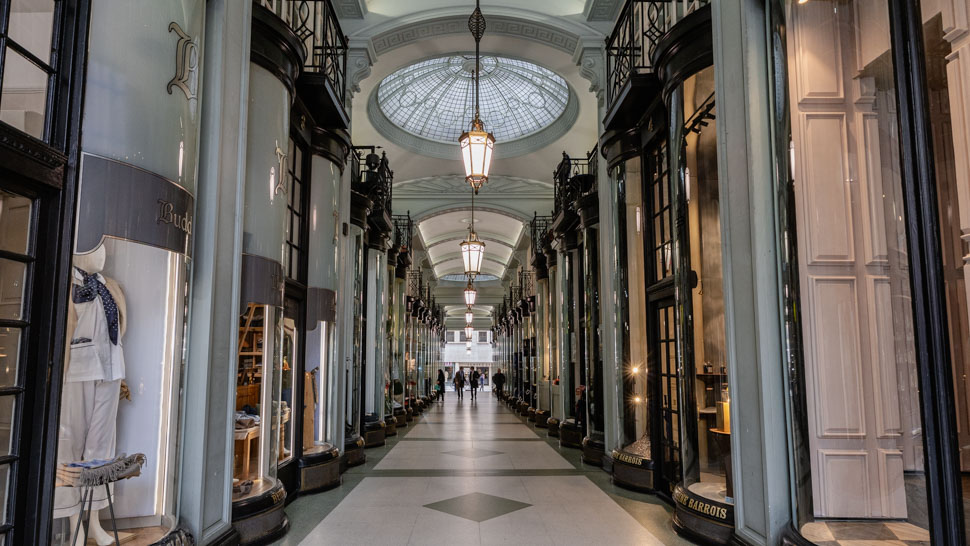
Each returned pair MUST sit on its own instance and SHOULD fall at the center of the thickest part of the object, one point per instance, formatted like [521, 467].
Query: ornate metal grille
[371, 175]
[316, 24]
[569, 184]
[403, 231]
[639, 27]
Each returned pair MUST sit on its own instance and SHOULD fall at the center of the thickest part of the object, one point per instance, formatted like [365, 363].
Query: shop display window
[291, 357]
[27, 67]
[316, 436]
[661, 376]
[858, 403]
[946, 59]
[121, 385]
[354, 380]
[635, 393]
[708, 473]
[256, 434]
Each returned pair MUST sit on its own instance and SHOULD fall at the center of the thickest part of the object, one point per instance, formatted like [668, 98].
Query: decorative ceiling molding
[430, 148]
[350, 9]
[360, 59]
[497, 210]
[492, 238]
[591, 59]
[454, 184]
[602, 10]
[504, 25]
[452, 258]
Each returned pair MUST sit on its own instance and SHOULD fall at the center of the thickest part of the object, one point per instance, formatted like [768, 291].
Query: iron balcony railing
[569, 184]
[403, 231]
[316, 24]
[540, 229]
[640, 26]
[371, 176]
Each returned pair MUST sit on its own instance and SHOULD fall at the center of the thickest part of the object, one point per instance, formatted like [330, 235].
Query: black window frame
[44, 170]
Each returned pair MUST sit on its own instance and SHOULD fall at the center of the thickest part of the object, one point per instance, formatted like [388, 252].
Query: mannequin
[94, 368]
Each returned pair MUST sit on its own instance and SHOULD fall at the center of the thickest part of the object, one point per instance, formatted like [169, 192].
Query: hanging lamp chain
[476, 24]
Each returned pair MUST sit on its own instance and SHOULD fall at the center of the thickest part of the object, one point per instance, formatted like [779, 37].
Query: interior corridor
[474, 472]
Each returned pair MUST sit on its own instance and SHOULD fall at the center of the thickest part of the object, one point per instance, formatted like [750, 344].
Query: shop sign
[262, 281]
[186, 75]
[120, 201]
[708, 509]
[627, 458]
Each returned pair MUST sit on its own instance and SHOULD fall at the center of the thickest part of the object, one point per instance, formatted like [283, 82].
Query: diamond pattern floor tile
[477, 507]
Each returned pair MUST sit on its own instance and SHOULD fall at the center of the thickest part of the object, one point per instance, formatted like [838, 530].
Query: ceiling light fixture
[468, 333]
[470, 293]
[469, 315]
[472, 249]
[476, 144]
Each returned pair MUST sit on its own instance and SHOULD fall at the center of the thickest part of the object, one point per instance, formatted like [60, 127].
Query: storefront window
[26, 47]
[707, 452]
[354, 378]
[635, 407]
[947, 67]
[122, 377]
[291, 357]
[315, 393]
[257, 435]
[859, 409]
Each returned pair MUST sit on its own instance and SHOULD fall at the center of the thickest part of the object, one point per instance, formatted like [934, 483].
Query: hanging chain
[476, 24]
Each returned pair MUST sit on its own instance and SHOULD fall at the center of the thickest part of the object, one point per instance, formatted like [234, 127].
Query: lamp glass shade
[469, 316]
[476, 153]
[469, 331]
[470, 294]
[472, 254]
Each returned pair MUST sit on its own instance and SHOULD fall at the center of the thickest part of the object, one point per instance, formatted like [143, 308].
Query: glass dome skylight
[435, 98]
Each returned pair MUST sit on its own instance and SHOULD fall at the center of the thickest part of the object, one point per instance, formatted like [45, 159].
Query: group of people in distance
[473, 378]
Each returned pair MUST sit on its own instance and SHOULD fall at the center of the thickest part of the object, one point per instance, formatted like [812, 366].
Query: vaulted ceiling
[563, 36]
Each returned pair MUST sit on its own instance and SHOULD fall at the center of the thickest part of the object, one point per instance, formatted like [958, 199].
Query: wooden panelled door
[862, 396]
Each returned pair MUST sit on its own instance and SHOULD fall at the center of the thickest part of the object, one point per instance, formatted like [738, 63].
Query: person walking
[481, 384]
[441, 384]
[460, 383]
[475, 377]
[499, 381]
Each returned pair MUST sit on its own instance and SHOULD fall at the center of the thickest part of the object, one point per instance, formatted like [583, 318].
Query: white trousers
[88, 431]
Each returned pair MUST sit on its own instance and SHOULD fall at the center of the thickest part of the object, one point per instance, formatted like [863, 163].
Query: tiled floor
[864, 533]
[468, 473]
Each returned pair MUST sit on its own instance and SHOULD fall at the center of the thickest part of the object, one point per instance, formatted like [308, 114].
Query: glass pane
[14, 222]
[291, 339]
[4, 486]
[706, 355]
[13, 276]
[256, 439]
[948, 99]
[122, 379]
[863, 445]
[23, 97]
[7, 407]
[31, 26]
[9, 356]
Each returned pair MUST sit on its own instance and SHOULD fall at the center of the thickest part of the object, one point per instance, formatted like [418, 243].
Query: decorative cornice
[360, 58]
[601, 10]
[350, 9]
[458, 24]
[440, 150]
[454, 184]
[591, 59]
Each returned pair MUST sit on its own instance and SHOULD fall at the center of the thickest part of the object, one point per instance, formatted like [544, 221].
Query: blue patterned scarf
[92, 288]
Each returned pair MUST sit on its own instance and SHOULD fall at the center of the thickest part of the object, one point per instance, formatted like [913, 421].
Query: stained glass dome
[435, 99]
